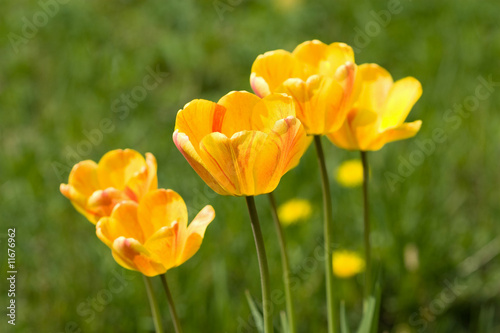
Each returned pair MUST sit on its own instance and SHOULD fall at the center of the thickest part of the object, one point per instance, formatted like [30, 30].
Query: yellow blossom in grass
[350, 173]
[294, 210]
[347, 263]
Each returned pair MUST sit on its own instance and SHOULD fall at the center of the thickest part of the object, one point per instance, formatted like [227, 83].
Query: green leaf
[257, 315]
[344, 328]
[284, 322]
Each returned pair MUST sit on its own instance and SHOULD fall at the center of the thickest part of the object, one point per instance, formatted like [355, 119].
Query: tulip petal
[270, 109]
[159, 209]
[375, 83]
[215, 151]
[122, 222]
[102, 202]
[131, 254]
[81, 184]
[144, 181]
[310, 53]
[336, 55]
[198, 119]
[239, 107]
[117, 167]
[182, 143]
[270, 70]
[195, 233]
[292, 140]
[401, 98]
[164, 245]
[359, 125]
[318, 101]
[404, 131]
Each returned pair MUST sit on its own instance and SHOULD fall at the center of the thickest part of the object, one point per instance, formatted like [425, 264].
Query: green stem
[328, 226]
[286, 266]
[155, 311]
[366, 219]
[264, 270]
[171, 305]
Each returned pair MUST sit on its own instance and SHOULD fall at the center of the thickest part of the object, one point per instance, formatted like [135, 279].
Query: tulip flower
[377, 117]
[322, 81]
[242, 145]
[153, 235]
[121, 175]
[319, 77]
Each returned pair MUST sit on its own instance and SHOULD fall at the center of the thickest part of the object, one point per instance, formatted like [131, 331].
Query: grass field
[67, 68]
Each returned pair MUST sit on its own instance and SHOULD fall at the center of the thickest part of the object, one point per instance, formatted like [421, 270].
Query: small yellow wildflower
[350, 173]
[294, 210]
[347, 263]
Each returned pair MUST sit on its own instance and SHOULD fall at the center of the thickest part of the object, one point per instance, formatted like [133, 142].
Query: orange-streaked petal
[215, 151]
[270, 109]
[198, 119]
[270, 70]
[239, 107]
[160, 208]
[318, 102]
[182, 143]
[401, 98]
[118, 166]
[122, 222]
[144, 181]
[152, 167]
[131, 254]
[292, 140]
[404, 131]
[102, 202]
[195, 233]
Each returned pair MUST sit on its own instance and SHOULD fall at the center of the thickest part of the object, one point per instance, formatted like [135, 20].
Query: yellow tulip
[153, 236]
[95, 188]
[320, 78]
[377, 117]
[242, 145]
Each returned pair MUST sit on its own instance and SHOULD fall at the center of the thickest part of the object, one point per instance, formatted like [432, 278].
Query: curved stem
[366, 219]
[286, 266]
[328, 225]
[264, 270]
[155, 311]
[171, 305]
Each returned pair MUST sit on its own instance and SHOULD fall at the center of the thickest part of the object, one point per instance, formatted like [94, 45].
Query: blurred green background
[64, 68]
